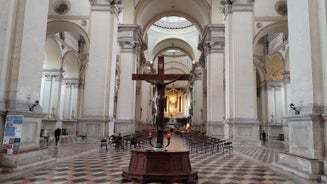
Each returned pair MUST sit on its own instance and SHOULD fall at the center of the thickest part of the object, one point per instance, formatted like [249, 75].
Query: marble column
[308, 89]
[99, 84]
[128, 101]
[23, 36]
[241, 124]
[213, 49]
[197, 97]
[50, 98]
[203, 110]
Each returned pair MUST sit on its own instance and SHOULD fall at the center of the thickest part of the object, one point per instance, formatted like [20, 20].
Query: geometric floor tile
[101, 166]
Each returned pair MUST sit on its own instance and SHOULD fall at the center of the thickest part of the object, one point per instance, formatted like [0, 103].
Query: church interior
[252, 73]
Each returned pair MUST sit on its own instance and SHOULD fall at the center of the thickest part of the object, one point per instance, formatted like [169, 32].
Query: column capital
[114, 6]
[71, 81]
[213, 39]
[130, 38]
[270, 85]
[230, 6]
[54, 73]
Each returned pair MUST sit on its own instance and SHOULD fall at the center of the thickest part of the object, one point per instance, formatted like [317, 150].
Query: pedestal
[151, 166]
[24, 160]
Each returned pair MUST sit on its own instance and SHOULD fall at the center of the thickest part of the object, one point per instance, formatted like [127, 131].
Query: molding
[219, 123]
[65, 17]
[242, 121]
[94, 118]
[270, 19]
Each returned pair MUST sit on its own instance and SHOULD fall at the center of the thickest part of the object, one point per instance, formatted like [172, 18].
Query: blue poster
[10, 131]
[12, 134]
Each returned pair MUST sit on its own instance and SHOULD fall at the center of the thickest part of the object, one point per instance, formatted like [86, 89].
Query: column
[203, 110]
[197, 97]
[307, 38]
[213, 49]
[50, 99]
[99, 84]
[23, 36]
[241, 125]
[128, 101]
[287, 101]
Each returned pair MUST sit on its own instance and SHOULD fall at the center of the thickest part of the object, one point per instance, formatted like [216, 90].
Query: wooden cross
[159, 80]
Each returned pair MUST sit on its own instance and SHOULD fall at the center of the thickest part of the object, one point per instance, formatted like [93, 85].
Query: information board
[12, 134]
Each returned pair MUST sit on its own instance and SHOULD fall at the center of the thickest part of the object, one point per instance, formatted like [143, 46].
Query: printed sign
[12, 134]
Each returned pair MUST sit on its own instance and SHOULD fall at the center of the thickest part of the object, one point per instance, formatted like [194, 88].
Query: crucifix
[159, 81]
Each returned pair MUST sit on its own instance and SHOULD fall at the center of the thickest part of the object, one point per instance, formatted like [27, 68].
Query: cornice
[213, 39]
[113, 6]
[69, 17]
[230, 6]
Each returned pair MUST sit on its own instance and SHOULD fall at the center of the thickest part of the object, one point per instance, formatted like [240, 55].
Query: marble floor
[88, 163]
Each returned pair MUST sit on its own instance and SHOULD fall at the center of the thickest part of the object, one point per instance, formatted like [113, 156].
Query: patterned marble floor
[244, 165]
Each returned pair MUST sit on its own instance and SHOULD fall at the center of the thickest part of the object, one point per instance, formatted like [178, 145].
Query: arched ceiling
[173, 43]
[149, 11]
[53, 54]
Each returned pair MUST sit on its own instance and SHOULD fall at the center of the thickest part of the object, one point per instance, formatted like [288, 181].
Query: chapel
[254, 66]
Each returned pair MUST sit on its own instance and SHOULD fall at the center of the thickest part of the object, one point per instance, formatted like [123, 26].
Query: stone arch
[179, 44]
[279, 27]
[57, 26]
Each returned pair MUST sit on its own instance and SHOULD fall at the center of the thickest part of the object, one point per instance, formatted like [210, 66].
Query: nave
[88, 163]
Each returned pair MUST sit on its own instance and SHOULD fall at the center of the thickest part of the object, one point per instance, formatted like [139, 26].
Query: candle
[168, 135]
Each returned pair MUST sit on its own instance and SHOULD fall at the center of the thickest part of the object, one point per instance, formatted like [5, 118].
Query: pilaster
[241, 125]
[131, 47]
[98, 107]
[197, 103]
[21, 72]
[306, 127]
[212, 47]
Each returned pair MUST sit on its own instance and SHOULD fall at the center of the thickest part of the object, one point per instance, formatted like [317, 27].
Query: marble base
[149, 166]
[15, 162]
[308, 168]
[215, 129]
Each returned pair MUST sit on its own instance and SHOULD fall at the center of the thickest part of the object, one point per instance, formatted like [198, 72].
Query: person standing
[57, 135]
[263, 136]
[46, 136]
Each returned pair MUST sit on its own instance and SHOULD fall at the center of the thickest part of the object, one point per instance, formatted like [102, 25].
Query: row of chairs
[199, 142]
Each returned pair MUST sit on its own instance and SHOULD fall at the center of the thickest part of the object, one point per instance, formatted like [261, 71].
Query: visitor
[133, 142]
[263, 136]
[119, 141]
[46, 136]
[57, 135]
